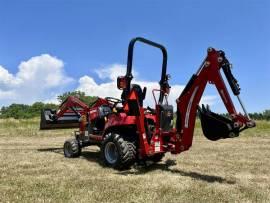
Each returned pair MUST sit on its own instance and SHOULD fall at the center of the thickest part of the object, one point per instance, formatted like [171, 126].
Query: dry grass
[33, 169]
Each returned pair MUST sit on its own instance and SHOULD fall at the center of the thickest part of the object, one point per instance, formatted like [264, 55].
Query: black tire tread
[127, 151]
[75, 148]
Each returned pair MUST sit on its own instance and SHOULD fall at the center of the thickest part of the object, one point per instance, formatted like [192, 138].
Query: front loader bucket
[215, 126]
[48, 120]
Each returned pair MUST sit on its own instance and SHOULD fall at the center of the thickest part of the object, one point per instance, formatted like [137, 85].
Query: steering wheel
[113, 101]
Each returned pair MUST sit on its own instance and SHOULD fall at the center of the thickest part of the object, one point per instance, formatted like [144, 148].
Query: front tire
[117, 152]
[72, 148]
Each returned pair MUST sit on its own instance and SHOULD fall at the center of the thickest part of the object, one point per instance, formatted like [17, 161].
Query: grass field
[33, 169]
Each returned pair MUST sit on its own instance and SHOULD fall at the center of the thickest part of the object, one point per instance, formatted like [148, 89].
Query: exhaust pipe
[49, 120]
[215, 126]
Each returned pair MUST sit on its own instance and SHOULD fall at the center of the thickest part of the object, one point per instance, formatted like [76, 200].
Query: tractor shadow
[94, 156]
[58, 150]
[89, 155]
[166, 167]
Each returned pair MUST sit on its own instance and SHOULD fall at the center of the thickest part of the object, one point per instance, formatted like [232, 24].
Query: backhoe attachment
[214, 126]
[217, 126]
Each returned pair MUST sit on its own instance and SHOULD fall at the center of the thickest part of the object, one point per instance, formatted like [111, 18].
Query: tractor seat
[141, 93]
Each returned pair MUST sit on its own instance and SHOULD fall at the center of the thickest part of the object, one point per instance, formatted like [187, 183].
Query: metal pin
[220, 59]
[207, 63]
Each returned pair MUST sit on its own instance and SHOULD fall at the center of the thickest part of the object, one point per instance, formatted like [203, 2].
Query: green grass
[30, 127]
[33, 169]
[27, 128]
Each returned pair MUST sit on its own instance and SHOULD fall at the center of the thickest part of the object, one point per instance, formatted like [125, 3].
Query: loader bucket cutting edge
[48, 121]
[215, 126]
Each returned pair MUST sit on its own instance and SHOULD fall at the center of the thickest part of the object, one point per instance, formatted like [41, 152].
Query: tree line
[265, 115]
[19, 111]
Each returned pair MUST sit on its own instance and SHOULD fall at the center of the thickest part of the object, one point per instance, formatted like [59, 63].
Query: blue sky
[80, 38]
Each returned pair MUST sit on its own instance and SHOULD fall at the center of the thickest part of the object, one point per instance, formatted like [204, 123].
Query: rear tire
[117, 152]
[72, 148]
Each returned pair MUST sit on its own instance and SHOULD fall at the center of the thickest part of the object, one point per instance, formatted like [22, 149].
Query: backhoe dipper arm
[188, 102]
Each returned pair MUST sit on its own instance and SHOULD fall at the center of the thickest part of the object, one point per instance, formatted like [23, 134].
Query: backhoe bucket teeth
[48, 120]
[215, 126]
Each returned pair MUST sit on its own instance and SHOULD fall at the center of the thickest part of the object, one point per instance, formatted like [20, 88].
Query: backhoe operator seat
[137, 88]
[141, 93]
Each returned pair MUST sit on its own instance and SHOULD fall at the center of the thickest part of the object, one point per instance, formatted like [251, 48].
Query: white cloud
[6, 79]
[209, 99]
[111, 72]
[42, 78]
[45, 70]
[52, 100]
[90, 87]
[35, 80]
[6, 94]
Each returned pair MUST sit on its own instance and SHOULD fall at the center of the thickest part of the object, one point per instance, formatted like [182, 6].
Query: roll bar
[129, 76]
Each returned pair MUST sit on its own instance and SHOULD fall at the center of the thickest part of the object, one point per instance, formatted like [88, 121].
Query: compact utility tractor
[127, 132]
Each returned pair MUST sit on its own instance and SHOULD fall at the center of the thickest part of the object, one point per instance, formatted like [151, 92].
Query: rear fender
[120, 122]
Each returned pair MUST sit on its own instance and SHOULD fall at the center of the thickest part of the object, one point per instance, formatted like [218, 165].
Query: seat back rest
[141, 93]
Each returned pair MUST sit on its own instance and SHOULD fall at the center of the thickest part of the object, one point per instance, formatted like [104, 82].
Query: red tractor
[127, 132]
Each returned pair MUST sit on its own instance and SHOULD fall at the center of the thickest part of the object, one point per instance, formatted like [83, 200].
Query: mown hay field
[33, 169]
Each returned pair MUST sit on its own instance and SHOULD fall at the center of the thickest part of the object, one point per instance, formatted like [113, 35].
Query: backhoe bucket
[215, 126]
[48, 120]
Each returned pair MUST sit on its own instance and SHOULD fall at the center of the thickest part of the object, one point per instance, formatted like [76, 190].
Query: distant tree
[266, 114]
[15, 111]
[18, 111]
[37, 106]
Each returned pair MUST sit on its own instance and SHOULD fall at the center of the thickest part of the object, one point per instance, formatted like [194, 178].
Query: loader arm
[67, 116]
[214, 126]
[71, 103]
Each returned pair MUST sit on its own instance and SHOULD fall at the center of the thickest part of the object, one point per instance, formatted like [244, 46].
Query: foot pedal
[215, 126]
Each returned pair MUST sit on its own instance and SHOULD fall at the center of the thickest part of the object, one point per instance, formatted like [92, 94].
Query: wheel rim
[111, 152]
[68, 149]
